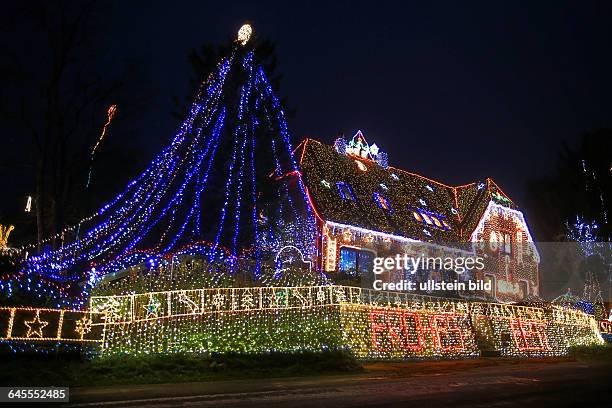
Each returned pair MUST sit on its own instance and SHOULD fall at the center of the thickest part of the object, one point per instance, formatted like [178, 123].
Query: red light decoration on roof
[361, 166]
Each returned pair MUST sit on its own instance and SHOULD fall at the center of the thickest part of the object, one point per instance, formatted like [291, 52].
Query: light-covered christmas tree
[202, 196]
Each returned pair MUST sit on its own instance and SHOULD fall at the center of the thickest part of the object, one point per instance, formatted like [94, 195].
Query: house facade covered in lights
[365, 208]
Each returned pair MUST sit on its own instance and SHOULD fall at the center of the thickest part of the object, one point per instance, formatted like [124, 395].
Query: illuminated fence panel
[377, 332]
[177, 303]
[50, 325]
[171, 304]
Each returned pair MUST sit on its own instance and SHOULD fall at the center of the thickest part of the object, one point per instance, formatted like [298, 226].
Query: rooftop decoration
[358, 147]
[500, 198]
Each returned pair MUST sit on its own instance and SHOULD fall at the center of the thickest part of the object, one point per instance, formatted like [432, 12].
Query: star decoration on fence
[152, 307]
[36, 326]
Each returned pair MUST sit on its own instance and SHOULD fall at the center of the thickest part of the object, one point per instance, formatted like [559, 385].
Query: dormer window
[346, 192]
[382, 202]
[430, 218]
[436, 221]
[507, 244]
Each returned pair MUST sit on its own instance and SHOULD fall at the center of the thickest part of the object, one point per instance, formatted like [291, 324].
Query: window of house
[436, 221]
[448, 276]
[382, 202]
[346, 192]
[365, 262]
[507, 244]
[524, 286]
[348, 260]
[354, 261]
[490, 279]
[493, 241]
[430, 218]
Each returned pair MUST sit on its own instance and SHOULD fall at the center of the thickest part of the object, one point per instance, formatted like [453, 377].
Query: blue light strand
[254, 198]
[228, 184]
[284, 185]
[50, 262]
[242, 128]
[177, 199]
[216, 136]
[267, 90]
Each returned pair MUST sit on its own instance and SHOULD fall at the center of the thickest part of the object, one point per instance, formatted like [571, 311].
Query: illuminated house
[365, 209]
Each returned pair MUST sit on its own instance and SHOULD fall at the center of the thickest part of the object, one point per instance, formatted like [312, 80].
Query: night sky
[452, 91]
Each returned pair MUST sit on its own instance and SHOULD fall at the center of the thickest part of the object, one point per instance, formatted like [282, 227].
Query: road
[477, 383]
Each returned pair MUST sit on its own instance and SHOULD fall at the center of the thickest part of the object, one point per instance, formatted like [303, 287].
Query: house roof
[451, 213]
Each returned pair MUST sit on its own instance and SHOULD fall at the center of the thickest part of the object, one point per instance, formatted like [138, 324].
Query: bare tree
[58, 90]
